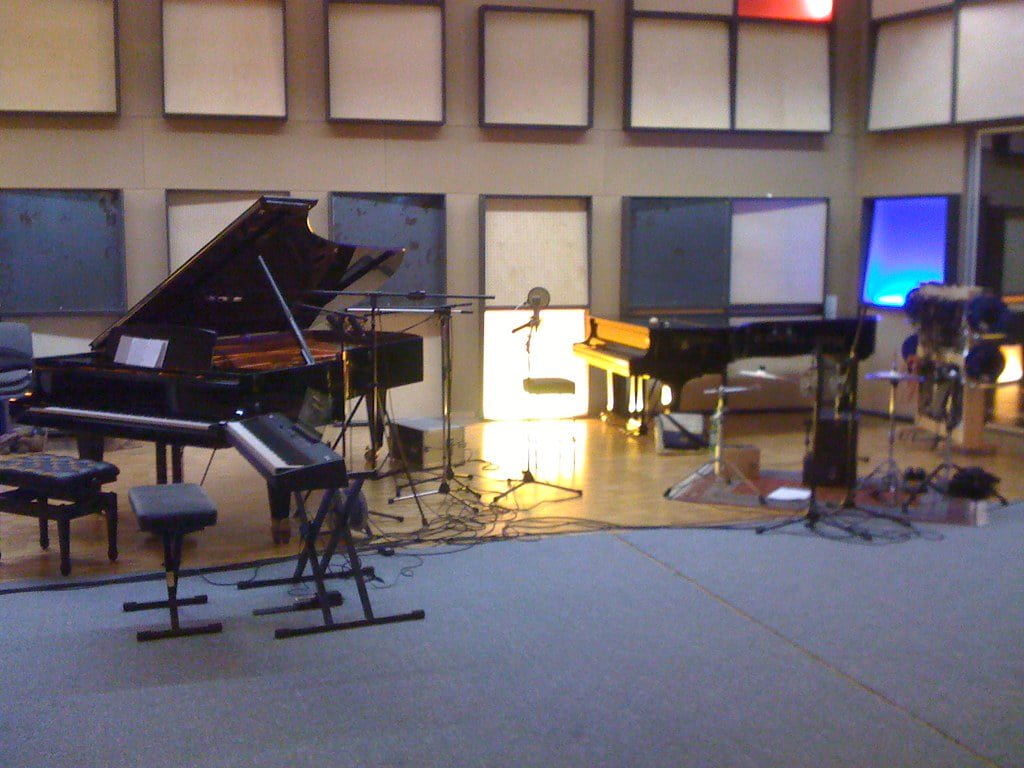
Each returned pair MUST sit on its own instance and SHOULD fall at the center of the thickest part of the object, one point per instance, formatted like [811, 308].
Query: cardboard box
[742, 458]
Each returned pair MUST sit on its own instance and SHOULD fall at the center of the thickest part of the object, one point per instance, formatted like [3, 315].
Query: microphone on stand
[537, 299]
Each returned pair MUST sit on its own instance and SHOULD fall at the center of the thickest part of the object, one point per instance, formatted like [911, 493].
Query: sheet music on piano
[145, 353]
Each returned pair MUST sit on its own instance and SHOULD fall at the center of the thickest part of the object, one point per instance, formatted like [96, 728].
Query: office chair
[15, 367]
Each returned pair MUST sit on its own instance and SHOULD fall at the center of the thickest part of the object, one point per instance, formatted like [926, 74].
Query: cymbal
[892, 375]
[727, 390]
[761, 373]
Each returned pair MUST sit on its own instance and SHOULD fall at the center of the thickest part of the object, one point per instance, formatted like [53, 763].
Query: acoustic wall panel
[61, 251]
[990, 51]
[413, 222]
[912, 81]
[58, 56]
[224, 58]
[680, 74]
[782, 78]
[536, 67]
[536, 241]
[386, 62]
[676, 255]
[778, 251]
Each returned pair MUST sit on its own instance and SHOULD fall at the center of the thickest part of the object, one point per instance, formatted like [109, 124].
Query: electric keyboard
[289, 456]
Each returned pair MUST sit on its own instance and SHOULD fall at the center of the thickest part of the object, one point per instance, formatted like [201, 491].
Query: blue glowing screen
[907, 244]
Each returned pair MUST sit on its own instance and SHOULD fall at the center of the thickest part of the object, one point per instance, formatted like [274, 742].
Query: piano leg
[90, 446]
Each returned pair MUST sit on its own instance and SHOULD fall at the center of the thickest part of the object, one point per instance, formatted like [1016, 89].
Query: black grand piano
[218, 341]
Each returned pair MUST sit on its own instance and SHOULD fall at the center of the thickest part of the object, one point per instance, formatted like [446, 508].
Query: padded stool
[172, 511]
[40, 478]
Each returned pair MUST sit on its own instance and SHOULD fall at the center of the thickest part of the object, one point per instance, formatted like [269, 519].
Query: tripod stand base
[529, 479]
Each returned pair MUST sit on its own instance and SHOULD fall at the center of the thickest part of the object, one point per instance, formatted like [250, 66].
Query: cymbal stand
[885, 481]
[719, 465]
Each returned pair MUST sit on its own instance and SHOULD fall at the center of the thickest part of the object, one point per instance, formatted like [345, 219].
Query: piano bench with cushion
[38, 480]
[549, 386]
[172, 511]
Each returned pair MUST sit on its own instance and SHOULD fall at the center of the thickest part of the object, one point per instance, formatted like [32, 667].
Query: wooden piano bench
[38, 480]
[172, 511]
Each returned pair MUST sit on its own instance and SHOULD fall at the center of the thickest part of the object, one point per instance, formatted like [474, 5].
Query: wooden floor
[622, 479]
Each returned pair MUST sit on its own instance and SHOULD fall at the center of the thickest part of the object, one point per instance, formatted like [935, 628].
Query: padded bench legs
[27, 503]
[172, 563]
[172, 511]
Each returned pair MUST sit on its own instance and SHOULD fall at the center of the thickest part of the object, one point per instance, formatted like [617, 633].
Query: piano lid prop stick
[288, 316]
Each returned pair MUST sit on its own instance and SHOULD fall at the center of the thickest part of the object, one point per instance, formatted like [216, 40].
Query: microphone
[535, 307]
[537, 299]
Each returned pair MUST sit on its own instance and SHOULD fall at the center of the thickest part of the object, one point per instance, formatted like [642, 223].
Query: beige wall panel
[87, 153]
[922, 162]
[606, 255]
[913, 73]
[459, 165]
[722, 7]
[680, 76]
[142, 80]
[463, 245]
[719, 171]
[224, 57]
[386, 62]
[301, 155]
[57, 56]
[145, 241]
[881, 9]
[537, 68]
[783, 78]
[307, 99]
[989, 53]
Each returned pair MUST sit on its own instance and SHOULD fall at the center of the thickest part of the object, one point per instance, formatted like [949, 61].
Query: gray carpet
[654, 648]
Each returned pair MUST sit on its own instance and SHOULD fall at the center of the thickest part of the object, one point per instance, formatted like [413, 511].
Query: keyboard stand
[318, 562]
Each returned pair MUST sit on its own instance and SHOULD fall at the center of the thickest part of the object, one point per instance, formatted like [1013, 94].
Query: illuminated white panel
[680, 75]
[386, 61]
[778, 252]
[507, 363]
[913, 77]
[990, 48]
[532, 242]
[782, 78]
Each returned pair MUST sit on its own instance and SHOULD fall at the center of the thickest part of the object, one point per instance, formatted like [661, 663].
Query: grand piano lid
[224, 289]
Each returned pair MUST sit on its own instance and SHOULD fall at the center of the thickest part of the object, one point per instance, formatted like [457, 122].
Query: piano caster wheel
[281, 531]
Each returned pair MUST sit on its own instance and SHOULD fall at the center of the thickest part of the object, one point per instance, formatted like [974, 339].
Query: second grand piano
[218, 341]
[675, 352]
